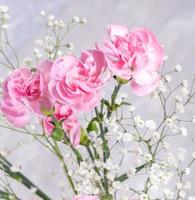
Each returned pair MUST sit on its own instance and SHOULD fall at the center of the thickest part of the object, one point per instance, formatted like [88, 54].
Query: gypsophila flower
[155, 135]
[139, 122]
[184, 91]
[187, 185]
[165, 57]
[43, 13]
[178, 68]
[187, 171]
[131, 172]
[184, 131]
[143, 196]
[180, 107]
[178, 98]
[167, 78]
[182, 194]
[148, 157]
[185, 83]
[83, 20]
[193, 155]
[70, 46]
[150, 124]
[75, 19]
[15, 168]
[193, 119]
[179, 186]
[168, 194]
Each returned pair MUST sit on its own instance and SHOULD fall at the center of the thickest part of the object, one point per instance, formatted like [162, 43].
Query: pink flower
[70, 125]
[134, 55]
[25, 91]
[86, 198]
[15, 112]
[78, 82]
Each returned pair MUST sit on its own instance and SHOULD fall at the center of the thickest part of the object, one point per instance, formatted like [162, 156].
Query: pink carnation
[64, 114]
[25, 91]
[78, 82]
[134, 55]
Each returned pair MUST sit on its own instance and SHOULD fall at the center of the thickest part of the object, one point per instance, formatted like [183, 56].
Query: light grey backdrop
[173, 21]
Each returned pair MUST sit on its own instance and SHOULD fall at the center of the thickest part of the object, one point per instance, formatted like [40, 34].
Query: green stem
[5, 165]
[105, 148]
[65, 168]
[113, 98]
[125, 176]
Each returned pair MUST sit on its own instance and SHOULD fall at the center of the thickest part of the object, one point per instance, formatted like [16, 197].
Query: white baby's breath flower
[182, 194]
[83, 20]
[178, 98]
[148, 157]
[165, 57]
[155, 135]
[117, 185]
[143, 196]
[15, 168]
[33, 189]
[131, 172]
[168, 193]
[193, 119]
[179, 107]
[169, 122]
[185, 83]
[178, 68]
[184, 91]
[187, 171]
[4, 8]
[151, 124]
[179, 186]
[187, 185]
[184, 131]
[70, 46]
[167, 78]
[75, 19]
[43, 13]
[193, 155]
[131, 108]
[139, 122]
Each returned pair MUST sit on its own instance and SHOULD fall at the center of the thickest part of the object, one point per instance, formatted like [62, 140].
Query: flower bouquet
[108, 146]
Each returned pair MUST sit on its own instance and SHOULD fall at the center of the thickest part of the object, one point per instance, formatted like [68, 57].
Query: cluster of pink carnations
[56, 90]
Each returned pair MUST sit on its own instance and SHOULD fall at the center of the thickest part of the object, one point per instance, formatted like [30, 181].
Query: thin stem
[65, 168]
[5, 165]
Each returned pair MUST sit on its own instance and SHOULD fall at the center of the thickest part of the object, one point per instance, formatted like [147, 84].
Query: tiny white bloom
[184, 131]
[75, 19]
[178, 68]
[144, 196]
[150, 124]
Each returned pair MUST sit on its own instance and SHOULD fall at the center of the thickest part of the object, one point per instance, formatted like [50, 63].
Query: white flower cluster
[4, 17]
[89, 179]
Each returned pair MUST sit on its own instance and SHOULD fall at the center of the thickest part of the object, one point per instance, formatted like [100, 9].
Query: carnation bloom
[134, 55]
[86, 198]
[78, 82]
[70, 125]
[25, 91]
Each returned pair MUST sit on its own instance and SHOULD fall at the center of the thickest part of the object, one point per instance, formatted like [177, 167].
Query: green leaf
[92, 126]
[57, 134]
[84, 140]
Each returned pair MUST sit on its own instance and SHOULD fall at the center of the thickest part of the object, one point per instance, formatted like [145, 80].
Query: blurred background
[173, 21]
